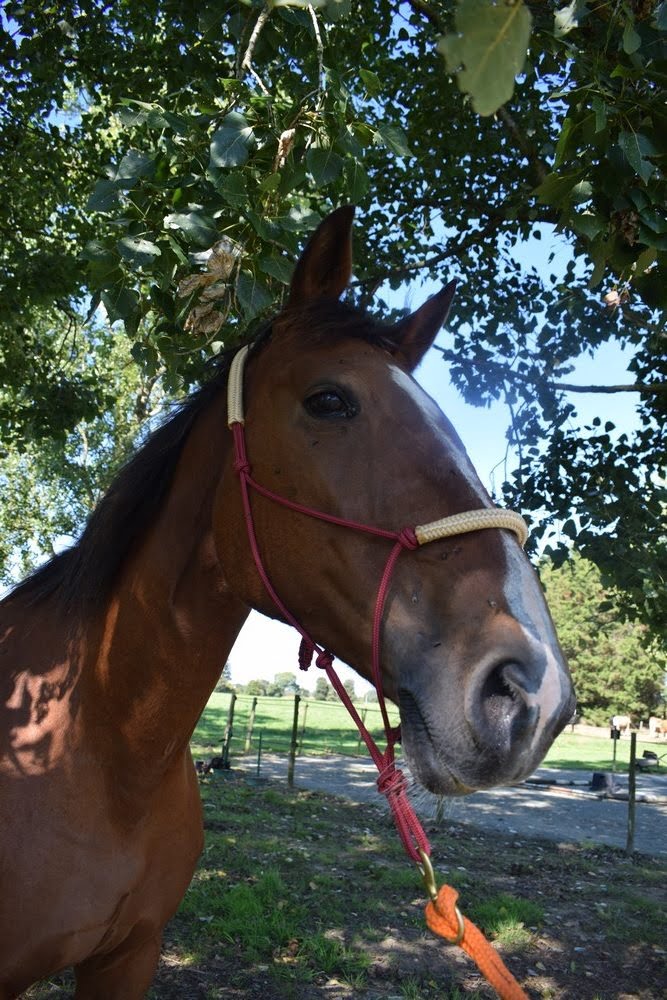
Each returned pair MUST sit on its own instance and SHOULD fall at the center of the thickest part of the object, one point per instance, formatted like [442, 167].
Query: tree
[183, 153]
[284, 683]
[225, 682]
[259, 688]
[349, 687]
[322, 688]
[616, 667]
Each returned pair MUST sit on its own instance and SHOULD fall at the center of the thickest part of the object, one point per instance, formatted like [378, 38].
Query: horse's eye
[330, 403]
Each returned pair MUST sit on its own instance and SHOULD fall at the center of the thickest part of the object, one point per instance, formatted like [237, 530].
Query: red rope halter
[391, 781]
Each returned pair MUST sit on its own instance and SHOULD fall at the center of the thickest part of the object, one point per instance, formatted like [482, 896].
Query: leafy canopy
[164, 162]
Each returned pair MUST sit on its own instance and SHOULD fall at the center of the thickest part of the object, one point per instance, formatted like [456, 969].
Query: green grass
[595, 753]
[507, 919]
[326, 727]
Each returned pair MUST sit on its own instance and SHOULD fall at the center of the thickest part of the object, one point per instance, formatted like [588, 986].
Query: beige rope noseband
[445, 527]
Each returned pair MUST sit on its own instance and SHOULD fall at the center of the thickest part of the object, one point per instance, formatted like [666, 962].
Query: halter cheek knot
[408, 539]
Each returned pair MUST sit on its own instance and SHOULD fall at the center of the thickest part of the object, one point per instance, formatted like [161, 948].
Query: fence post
[303, 727]
[632, 789]
[227, 738]
[364, 713]
[293, 742]
[259, 755]
[251, 725]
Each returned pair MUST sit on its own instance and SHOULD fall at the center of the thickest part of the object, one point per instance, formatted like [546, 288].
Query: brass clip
[428, 875]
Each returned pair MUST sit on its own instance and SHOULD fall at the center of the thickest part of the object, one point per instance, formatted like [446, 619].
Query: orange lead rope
[445, 919]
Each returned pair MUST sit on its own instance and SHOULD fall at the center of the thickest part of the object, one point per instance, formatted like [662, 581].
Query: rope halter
[412, 835]
[391, 781]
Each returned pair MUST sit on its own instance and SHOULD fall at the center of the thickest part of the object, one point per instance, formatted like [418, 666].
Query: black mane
[83, 575]
[86, 572]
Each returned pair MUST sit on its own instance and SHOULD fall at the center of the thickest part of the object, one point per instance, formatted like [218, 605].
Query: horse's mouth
[427, 764]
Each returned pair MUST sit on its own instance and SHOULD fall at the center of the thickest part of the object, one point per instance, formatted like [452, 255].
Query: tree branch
[528, 151]
[424, 8]
[504, 372]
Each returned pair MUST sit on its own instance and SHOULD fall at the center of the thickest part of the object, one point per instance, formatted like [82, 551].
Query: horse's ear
[414, 335]
[325, 266]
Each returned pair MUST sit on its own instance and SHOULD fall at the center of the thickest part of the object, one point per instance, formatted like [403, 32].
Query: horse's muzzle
[493, 728]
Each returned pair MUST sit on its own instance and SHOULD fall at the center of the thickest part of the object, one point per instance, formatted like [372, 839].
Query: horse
[621, 722]
[109, 652]
[657, 726]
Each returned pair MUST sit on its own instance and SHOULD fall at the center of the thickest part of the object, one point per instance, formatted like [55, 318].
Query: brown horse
[109, 653]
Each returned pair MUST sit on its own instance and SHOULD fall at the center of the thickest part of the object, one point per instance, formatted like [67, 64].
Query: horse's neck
[162, 641]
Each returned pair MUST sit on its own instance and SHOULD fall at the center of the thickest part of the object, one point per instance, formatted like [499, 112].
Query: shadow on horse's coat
[109, 653]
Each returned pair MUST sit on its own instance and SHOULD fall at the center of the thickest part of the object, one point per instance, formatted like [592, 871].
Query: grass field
[325, 727]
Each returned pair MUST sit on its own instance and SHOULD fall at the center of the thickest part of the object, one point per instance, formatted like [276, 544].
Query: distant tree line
[284, 684]
[616, 664]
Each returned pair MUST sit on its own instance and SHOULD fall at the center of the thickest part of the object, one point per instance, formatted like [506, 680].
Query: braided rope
[473, 520]
[235, 388]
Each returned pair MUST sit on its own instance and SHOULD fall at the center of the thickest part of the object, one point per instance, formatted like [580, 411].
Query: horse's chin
[451, 766]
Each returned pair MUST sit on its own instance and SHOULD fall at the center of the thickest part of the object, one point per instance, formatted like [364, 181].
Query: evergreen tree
[617, 667]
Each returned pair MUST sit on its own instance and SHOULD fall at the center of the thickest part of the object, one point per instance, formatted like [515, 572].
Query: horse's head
[335, 421]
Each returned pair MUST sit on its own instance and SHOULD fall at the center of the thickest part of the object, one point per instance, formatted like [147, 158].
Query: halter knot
[307, 649]
[241, 464]
[408, 538]
[324, 659]
[306, 652]
[391, 781]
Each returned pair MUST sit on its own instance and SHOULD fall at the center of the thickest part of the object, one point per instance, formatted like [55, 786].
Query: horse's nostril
[501, 712]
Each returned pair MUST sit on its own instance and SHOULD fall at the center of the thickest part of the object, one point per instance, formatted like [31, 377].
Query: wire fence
[232, 725]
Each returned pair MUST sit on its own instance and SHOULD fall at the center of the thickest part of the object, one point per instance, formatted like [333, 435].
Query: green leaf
[133, 166]
[587, 224]
[600, 111]
[233, 189]
[371, 81]
[138, 250]
[394, 138]
[557, 188]
[660, 16]
[103, 198]
[96, 250]
[655, 220]
[323, 165]
[645, 260]
[566, 130]
[488, 51]
[357, 182]
[120, 302]
[336, 9]
[270, 183]
[631, 40]
[278, 267]
[232, 142]
[636, 148]
[196, 226]
[252, 294]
